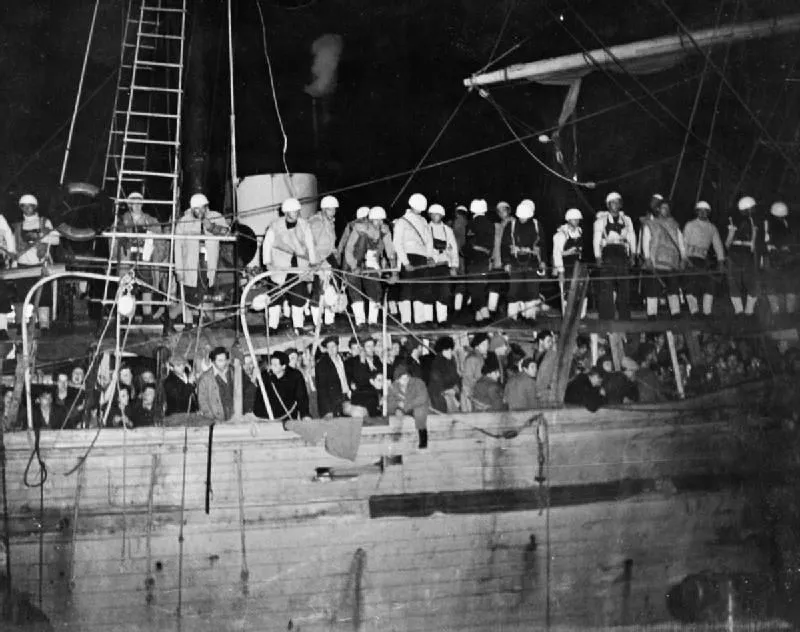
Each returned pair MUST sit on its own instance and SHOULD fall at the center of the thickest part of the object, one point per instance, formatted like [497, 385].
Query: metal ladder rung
[153, 115]
[131, 156]
[147, 141]
[156, 89]
[141, 46]
[116, 178]
[159, 36]
[163, 9]
[154, 202]
[155, 174]
[130, 132]
[142, 66]
[155, 64]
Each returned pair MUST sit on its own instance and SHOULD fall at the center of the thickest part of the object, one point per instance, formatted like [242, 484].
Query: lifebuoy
[80, 211]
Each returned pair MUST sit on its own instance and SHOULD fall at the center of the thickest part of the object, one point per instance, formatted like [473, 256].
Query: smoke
[327, 49]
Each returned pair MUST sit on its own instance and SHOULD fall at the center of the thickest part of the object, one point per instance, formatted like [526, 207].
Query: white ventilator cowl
[613, 196]
[702, 206]
[779, 209]
[573, 213]
[377, 212]
[436, 209]
[525, 209]
[198, 200]
[291, 205]
[478, 207]
[329, 202]
[418, 202]
[28, 199]
[746, 203]
[362, 212]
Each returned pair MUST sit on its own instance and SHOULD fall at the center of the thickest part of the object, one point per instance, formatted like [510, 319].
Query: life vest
[664, 249]
[524, 247]
[745, 231]
[480, 238]
[614, 231]
[28, 238]
[571, 242]
[369, 249]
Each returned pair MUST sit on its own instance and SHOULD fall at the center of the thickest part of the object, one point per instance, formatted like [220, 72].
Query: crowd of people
[489, 373]
[491, 266]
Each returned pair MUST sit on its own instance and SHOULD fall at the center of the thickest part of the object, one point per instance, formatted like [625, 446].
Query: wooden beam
[676, 367]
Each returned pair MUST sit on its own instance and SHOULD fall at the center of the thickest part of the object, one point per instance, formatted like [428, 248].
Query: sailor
[614, 245]
[742, 253]
[414, 247]
[34, 236]
[196, 259]
[323, 231]
[478, 257]
[288, 243]
[567, 252]
[699, 236]
[664, 254]
[782, 259]
[445, 259]
[8, 253]
[459, 225]
[369, 250]
[652, 213]
[361, 214]
[503, 211]
[523, 261]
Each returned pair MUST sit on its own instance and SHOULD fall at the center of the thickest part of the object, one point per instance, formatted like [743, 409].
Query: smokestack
[327, 49]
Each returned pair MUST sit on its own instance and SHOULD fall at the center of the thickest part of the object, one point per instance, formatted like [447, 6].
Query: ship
[674, 515]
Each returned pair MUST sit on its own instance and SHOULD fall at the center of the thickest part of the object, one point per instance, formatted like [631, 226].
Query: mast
[579, 64]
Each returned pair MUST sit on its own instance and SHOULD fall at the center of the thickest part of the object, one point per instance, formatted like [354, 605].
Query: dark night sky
[400, 79]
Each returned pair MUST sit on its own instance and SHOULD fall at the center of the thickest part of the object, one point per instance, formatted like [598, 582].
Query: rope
[511, 6]
[430, 149]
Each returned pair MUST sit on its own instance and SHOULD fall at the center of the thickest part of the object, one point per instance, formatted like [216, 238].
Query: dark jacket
[63, 417]
[520, 392]
[580, 392]
[365, 394]
[330, 396]
[444, 375]
[648, 387]
[487, 395]
[287, 395]
[140, 416]
[179, 395]
[619, 388]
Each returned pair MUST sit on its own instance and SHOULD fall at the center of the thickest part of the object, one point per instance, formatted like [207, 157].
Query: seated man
[286, 391]
[620, 386]
[586, 389]
[487, 396]
[215, 387]
[143, 411]
[520, 392]
[409, 396]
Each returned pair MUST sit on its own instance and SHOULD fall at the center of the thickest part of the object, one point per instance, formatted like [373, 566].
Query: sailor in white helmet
[523, 260]
[742, 252]
[500, 276]
[445, 258]
[614, 245]
[699, 236]
[34, 237]
[196, 259]
[459, 226]
[414, 247]
[567, 252]
[368, 252]
[782, 258]
[323, 231]
[478, 258]
[664, 256]
[361, 215]
[288, 246]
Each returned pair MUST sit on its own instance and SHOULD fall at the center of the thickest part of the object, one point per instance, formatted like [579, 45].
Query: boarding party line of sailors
[469, 261]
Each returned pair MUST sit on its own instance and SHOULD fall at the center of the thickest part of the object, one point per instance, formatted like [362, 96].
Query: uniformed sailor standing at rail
[567, 252]
[34, 237]
[369, 250]
[782, 259]
[414, 247]
[478, 258]
[699, 236]
[288, 244]
[361, 214]
[504, 216]
[445, 259]
[522, 260]
[323, 231]
[614, 245]
[742, 258]
[664, 254]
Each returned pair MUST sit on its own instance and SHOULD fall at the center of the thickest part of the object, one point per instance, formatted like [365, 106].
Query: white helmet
[436, 209]
[377, 212]
[135, 197]
[525, 209]
[329, 202]
[362, 212]
[198, 200]
[702, 206]
[505, 205]
[290, 205]
[418, 202]
[478, 207]
[573, 213]
[28, 199]
[746, 203]
[612, 197]
[779, 209]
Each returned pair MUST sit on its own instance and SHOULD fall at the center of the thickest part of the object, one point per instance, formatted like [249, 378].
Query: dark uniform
[478, 259]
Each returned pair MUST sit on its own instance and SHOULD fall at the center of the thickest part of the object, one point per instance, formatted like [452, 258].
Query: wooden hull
[455, 538]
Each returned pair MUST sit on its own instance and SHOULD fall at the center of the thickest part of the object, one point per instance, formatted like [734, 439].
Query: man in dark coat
[620, 386]
[179, 395]
[443, 375]
[365, 375]
[586, 389]
[487, 396]
[331, 380]
[286, 391]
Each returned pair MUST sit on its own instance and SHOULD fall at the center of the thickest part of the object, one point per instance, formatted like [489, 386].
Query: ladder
[143, 149]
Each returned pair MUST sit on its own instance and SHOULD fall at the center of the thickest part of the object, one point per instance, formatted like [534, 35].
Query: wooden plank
[617, 350]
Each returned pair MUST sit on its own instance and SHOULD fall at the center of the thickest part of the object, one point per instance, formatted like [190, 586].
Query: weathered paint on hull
[315, 557]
